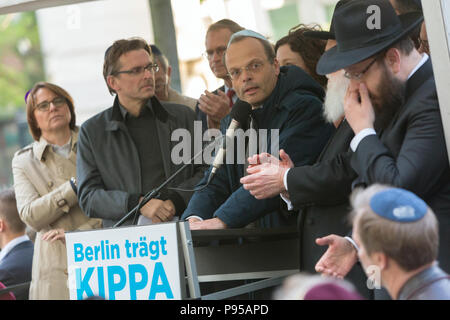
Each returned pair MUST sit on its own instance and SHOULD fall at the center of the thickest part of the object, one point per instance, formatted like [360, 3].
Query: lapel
[418, 78]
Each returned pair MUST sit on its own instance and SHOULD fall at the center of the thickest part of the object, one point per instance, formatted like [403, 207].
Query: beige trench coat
[46, 200]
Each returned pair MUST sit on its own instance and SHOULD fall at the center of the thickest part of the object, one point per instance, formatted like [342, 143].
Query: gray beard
[334, 99]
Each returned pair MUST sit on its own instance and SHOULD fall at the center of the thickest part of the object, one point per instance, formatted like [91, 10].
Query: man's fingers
[285, 158]
[325, 240]
[364, 93]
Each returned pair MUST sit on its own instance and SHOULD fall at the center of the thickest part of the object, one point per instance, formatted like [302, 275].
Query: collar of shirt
[64, 150]
[10, 245]
[125, 112]
[41, 145]
[421, 62]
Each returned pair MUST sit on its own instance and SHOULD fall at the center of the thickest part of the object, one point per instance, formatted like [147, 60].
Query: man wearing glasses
[213, 106]
[282, 98]
[125, 151]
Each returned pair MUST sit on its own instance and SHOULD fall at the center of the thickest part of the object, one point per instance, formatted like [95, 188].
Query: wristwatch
[73, 183]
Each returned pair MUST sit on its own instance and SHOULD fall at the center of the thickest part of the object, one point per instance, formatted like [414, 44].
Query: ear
[2, 225]
[393, 60]
[169, 74]
[112, 83]
[276, 64]
[380, 259]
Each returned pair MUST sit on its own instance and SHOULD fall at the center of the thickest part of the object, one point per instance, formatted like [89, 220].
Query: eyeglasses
[220, 51]
[357, 76]
[58, 102]
[253, 67]
[139, 70]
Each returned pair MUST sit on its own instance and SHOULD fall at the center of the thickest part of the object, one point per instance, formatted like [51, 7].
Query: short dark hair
[163, 61]
[310, 49]
[116, 50]
[31, 106]
[8, 211]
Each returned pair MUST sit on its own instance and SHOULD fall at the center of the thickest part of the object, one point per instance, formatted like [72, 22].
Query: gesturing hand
[339, 258]
[266, 173]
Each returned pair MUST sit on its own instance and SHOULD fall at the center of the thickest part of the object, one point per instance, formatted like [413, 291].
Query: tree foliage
[20, 59]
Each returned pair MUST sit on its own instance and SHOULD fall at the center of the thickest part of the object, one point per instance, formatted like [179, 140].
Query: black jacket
[411, 154]
[108, 167]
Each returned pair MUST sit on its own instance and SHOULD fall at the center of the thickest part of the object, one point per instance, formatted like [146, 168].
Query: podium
[169, 261]
[264, 256]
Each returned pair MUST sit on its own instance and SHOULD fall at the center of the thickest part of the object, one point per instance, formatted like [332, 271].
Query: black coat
[108, 167]
[321, 192]
[411, 154]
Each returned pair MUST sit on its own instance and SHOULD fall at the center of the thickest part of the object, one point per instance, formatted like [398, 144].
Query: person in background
[320, 192]
[46, 189]
[163, 90]
[125, 151]
[16, 253]
[397, 236]
[285, 99]
[302, 51]
[392, 107]
[213, 106]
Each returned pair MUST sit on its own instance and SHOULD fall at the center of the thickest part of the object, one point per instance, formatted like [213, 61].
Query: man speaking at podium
[285, 99]
[124, 152]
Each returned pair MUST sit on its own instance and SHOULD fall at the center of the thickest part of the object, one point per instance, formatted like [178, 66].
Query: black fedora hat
[325, 35]
[356, 41]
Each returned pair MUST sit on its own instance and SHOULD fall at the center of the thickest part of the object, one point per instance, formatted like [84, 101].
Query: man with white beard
[321, 191]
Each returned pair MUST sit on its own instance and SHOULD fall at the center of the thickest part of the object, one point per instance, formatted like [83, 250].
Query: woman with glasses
[45, 186]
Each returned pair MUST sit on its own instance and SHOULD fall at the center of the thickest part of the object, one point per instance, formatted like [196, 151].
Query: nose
[52, 106]
[148, 73]
[246, 75]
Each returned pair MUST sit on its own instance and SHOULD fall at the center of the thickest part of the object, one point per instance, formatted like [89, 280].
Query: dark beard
[392, 97]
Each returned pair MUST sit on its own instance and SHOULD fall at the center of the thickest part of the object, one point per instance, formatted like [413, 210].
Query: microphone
[239, 116]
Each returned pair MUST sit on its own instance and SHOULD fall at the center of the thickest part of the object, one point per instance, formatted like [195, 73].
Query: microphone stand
[155, 192]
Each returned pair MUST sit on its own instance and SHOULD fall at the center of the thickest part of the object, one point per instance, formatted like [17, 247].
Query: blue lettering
[101, 282]
[115, 286]
[78, 250]
[133, 269]
[164, 287]
[89, 253]
[83, 284]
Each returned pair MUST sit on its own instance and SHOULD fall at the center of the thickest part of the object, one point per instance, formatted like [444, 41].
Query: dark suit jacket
[321, 193]
[15, 268]
[411, 154]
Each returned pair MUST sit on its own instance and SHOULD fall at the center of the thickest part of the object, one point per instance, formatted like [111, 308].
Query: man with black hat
[320, 191]
[392, 107]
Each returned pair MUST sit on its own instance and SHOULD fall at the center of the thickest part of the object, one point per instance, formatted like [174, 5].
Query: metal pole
[165, 37]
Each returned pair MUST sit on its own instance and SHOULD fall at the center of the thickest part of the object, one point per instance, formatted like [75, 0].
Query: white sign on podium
[128, 263]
